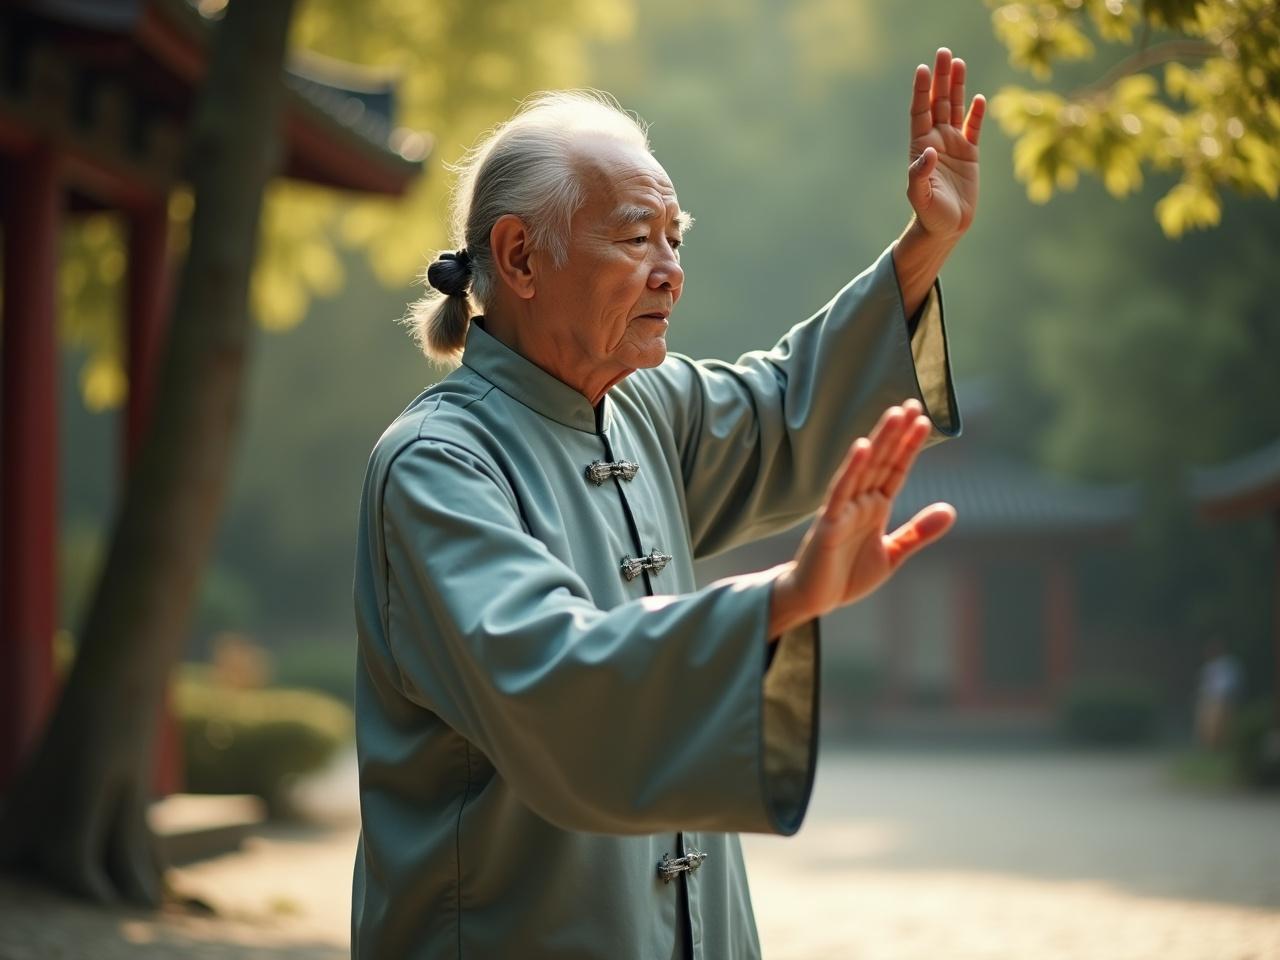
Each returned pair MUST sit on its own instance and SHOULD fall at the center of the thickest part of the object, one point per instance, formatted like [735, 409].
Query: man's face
[608, 304]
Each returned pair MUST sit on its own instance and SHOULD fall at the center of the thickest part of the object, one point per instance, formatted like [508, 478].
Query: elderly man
[559, 732]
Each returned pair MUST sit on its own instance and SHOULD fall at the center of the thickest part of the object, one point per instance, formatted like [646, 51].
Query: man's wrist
[919, 250]
[918, 256]
[787, 606]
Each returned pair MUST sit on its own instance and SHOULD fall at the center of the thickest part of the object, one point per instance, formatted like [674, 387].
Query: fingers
[886, 442]
[851, 473]
[919, 186]
[878, 462]
[921, 113]
[940, 96]
[913, 439]
[884, 436]
[851, 478]
[973, 123]
[923, 165]
[957, 92]
[921, 530]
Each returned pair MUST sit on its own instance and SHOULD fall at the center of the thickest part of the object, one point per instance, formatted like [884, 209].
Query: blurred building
[96, 98]
[1243, 489]
[987, 621]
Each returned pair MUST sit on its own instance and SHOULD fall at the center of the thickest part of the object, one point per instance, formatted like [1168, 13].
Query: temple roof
[1247, 485]
[150, 56]
[996, 495]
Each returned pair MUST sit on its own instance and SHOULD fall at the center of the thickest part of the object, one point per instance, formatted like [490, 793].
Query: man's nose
[667, 273]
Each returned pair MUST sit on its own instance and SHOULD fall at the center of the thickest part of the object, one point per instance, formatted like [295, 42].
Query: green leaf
[1188, 206]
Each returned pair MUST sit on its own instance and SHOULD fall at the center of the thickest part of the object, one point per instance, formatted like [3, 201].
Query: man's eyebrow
[629, 216]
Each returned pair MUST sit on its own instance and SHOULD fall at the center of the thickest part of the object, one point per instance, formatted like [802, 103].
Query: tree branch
[1146, 59]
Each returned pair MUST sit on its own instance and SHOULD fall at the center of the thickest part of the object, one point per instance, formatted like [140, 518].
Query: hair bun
[450, 273]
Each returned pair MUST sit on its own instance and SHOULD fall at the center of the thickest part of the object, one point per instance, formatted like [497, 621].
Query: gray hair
[523, 167]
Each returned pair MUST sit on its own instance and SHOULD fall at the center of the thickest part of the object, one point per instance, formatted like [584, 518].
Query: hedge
[1108, 712]
[257, 741]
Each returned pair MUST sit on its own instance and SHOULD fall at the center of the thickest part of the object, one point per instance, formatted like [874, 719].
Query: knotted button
[669, 866]
[598, 471]
[655, 561]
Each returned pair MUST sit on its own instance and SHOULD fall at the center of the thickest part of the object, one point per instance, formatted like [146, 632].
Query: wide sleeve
[653, 715]
[759, 439]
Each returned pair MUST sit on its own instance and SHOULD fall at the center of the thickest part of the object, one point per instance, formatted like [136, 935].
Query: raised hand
[846, 553]
[942, 180]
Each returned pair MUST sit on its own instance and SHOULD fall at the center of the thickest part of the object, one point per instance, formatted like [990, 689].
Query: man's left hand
[942, 181]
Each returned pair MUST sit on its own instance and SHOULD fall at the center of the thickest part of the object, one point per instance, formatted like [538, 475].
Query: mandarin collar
[523, 380]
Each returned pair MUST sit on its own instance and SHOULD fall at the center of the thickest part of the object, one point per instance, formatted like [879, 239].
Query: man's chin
[637, 355]
[655, 354]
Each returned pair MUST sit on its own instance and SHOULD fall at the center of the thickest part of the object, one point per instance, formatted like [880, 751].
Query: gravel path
[904, 856]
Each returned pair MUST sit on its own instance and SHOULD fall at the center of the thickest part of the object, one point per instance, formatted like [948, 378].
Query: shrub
[327, 667]
[1254, 743]
[1110, 712]
[257, 741]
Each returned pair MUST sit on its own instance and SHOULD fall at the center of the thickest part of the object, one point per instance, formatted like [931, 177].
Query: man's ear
[509, 246]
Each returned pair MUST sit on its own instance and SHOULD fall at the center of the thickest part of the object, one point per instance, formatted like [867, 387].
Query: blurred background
[1112, 579]
[1098, 361]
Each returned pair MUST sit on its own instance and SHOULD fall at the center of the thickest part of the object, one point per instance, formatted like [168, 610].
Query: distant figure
[1219, 688]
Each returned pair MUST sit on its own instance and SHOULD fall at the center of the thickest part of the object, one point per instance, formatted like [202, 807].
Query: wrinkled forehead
[617, 175]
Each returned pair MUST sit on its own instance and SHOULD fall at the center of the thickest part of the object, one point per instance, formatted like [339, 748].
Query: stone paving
[904, 856]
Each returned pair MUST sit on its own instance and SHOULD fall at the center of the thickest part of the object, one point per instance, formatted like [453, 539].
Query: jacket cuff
[933, 366]
[925, 338]
[790, 726]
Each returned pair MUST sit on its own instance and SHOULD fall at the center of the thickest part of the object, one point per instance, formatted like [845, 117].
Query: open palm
[847, 553]
[942, 183]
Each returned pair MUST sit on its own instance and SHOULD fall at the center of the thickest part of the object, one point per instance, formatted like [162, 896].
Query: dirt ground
[1000, 856]
[904, 856]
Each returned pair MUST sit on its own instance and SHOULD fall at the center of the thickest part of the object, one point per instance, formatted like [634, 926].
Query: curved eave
[319, 148]
[998, 499]
[1243, 487]
[322, 150]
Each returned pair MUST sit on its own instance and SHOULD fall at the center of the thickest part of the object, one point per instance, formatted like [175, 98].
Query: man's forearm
[918, 257]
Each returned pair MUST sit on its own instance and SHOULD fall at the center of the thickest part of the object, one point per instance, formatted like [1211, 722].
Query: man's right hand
[846, 553]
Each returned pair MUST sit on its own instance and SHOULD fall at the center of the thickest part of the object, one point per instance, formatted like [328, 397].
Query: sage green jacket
[547, 707]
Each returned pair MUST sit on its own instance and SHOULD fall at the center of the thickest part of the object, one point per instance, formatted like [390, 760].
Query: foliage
[326, 667]
[460, 68]
[1150, 353]
[1108, 712]
[1250, 759]
[1111, 353]
[1198, 96]
[256, 741]
[90, 280]
[1205, 769]
[1254, 741]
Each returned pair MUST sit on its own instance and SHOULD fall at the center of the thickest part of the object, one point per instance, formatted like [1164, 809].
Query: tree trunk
[76, 815]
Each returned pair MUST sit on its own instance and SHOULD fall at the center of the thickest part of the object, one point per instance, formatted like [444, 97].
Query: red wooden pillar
[968, 650]
[1060, 625]
[33, 203]
[147, 310]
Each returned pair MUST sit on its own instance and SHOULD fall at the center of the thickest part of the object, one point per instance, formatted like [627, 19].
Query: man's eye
[675, 243]
[644, 239]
